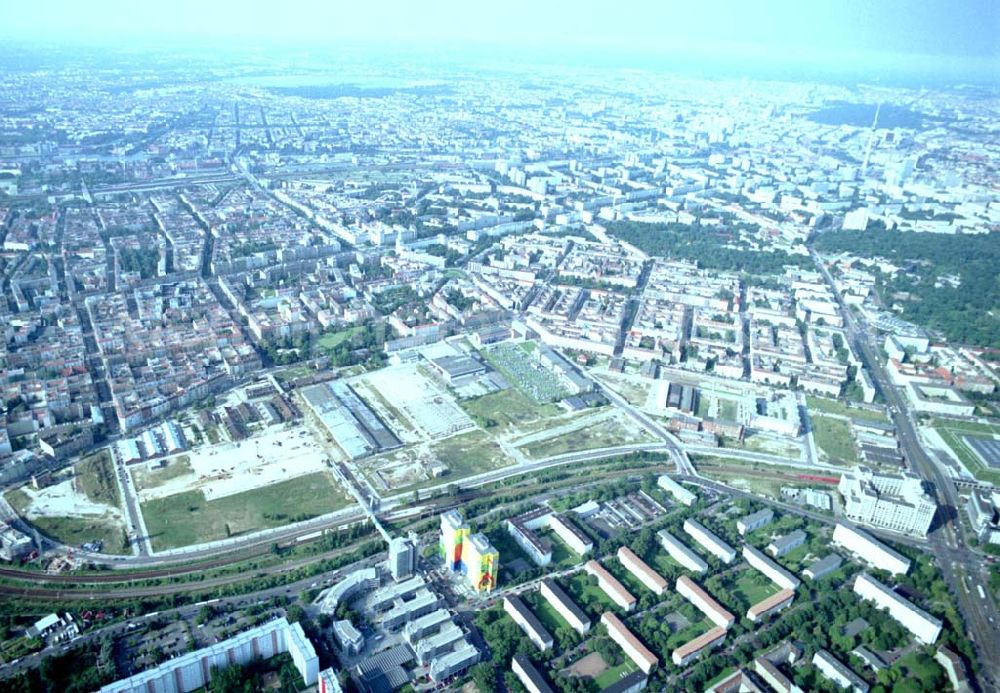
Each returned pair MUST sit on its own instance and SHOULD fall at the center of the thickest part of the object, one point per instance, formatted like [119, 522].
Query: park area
[189, 518]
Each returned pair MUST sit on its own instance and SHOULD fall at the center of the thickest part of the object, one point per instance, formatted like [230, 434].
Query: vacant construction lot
[188, 518]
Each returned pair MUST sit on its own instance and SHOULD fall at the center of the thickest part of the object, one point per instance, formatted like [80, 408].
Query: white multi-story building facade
[896, 502]
[709, 541]
[774, 572]
[870, 550]
[194, 670]
[528, 622]
[679, 551]
[924, 627]
[560, 601]
[692, 591]
[680, 494]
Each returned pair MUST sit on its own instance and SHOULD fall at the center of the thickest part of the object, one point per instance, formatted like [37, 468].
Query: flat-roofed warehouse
[453, 368]
[354, 427]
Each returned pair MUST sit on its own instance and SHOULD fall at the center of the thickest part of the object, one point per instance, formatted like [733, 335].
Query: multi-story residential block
[691, 649]
[681, 494]
[564, 605]
[528, 622]
[897, 502]
[709, 541]
[193, 670]
[773, 571]
[754, 521]
[783, 545]
[641, 570]
[838, 672]
[681, 553]
[869, 549]
[610, 585]
[633, 647]
[925, 628]
[692, 591]
[529, 676]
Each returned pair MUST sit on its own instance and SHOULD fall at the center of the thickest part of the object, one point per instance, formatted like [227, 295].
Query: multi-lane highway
[955, 559]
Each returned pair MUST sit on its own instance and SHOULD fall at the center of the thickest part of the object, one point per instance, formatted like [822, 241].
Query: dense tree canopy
[966, 313]
[709, 246]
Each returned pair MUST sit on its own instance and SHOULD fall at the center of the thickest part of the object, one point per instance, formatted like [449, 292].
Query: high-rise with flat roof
[897, 502]
[454, 530]
[402, 558]
[481, 561]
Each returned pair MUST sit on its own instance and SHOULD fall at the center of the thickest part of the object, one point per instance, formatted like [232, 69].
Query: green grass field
[18, 499]
[95, 477]
[187, 518]
[613, 674]
[74, 531]
[825, 405]
[953, 434]
[749, 588]
[507, 408]
[603, 434]
[470, 453]
[562, 555]
[545, 612]
[332, 339]
[145, 477]
[666, 566]
[833, 437]
[588, 597]
[686, 634]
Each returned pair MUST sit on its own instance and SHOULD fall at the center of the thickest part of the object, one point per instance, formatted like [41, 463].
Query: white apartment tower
[896, 502]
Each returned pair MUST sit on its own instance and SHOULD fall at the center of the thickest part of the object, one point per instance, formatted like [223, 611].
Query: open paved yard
[273, 455]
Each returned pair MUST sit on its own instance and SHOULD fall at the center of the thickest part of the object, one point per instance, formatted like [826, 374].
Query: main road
[945, 539]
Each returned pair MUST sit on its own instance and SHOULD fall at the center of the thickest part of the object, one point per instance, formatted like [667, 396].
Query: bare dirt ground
[276, 454]
[592, 665]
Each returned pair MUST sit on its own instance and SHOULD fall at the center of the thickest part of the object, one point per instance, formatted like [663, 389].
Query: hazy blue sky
[958, 28]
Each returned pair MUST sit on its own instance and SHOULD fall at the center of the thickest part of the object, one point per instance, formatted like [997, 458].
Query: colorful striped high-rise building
[470, 554]
[454, 532]
[482, 562]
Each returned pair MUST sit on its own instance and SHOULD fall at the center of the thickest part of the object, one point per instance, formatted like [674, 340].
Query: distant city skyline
[836, 32]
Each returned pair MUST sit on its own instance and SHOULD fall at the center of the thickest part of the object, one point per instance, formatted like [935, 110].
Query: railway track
[117, 584]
